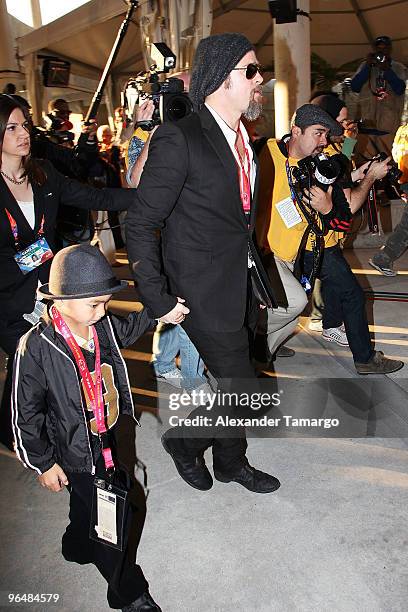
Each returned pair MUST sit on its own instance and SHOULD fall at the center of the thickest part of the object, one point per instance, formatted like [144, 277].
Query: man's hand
[53, 479]
[144, 112]
[177, 314]
[378, 170]
[350, 129]
[359, 173]
[320, 200]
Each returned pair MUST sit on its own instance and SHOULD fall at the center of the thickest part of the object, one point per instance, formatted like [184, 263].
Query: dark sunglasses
[251, 70]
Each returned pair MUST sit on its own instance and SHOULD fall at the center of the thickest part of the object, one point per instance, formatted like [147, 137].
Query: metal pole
[96, 100]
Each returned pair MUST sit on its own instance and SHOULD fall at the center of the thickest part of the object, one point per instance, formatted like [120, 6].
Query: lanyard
[291, 187]
[92, 389]
[244, 176]
[14, 228]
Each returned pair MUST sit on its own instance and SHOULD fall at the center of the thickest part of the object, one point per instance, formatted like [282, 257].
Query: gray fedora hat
[311, 114]
[80, 271]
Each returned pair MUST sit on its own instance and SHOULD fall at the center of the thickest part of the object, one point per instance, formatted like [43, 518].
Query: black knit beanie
[331, 103]
[214, 59]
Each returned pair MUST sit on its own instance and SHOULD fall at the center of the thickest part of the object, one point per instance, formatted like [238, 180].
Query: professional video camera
[171, 103]
[318, 170]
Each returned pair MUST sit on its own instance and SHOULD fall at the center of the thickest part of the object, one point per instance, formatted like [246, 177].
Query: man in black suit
[197, 188]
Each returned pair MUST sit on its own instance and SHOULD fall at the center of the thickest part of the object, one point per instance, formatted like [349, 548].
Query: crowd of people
[225, 248]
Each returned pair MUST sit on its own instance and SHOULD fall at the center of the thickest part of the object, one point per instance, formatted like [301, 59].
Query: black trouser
[10, 334]
[125, 579]
[343, 301]
[227, 357]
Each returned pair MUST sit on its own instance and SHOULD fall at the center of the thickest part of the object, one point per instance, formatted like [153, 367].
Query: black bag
[266, 282]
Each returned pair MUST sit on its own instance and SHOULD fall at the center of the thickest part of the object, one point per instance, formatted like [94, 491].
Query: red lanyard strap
[14, 228]
[93, 389]
[244, 175]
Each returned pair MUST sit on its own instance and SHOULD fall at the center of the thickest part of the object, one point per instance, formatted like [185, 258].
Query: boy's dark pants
[125, 579]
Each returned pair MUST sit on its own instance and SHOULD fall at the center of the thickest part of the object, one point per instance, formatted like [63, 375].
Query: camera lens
[176, 107]
[327, 171]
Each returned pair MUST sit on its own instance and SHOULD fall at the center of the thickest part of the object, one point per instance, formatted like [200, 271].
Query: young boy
[70, 385]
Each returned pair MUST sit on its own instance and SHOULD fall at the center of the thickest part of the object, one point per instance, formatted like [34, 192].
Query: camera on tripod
[170, 101]
[317, 170]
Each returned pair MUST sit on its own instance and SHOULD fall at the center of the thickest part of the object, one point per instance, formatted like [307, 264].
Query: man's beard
[254, 109]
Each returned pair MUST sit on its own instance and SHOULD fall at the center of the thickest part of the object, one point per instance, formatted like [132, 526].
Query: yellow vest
[272, 232]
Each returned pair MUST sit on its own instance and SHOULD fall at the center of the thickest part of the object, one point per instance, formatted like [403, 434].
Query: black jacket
[190, 191]
[49, 421]
[17, 290]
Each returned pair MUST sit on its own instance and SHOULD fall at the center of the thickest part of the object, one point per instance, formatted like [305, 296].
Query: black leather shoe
[144, 603]
[192, 469]
[252, 479]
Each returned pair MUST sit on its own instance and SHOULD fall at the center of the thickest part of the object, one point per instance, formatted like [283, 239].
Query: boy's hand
[54, 479]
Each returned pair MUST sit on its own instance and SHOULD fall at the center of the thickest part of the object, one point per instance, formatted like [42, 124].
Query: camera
[59, 137]
[170, 101]
[380, 57]
[391, 180]
[318, 170]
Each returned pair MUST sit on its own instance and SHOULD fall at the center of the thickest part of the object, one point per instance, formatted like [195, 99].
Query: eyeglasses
[251, 70]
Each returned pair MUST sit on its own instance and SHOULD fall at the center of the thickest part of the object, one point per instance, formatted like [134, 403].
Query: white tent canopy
[341, 31]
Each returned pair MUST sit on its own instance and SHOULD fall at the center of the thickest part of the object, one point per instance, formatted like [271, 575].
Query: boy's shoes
[173, 378]
[251, 478]
[382, 268]
[144, 603]
[335, 334]
[192, 469]
[379, 364]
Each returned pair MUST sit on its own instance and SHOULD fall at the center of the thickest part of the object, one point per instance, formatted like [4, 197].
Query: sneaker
[382, 268]
[379, 364]
[173, 377]
[335, 334]
[316, 325]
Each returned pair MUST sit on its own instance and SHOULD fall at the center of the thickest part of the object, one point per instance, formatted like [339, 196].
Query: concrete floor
[333, 538]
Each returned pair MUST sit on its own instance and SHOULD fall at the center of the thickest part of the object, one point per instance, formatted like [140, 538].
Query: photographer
[380, 81]
[322, 256]
[344, 316]
[282, 225]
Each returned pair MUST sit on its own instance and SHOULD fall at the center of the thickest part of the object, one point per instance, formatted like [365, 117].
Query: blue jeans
[168, 341]
[343, 301]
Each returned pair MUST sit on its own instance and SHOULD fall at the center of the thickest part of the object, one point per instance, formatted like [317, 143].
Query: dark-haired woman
[30, 194]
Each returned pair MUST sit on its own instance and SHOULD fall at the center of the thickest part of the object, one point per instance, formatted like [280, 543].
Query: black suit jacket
[189, 191]
[17, 291]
